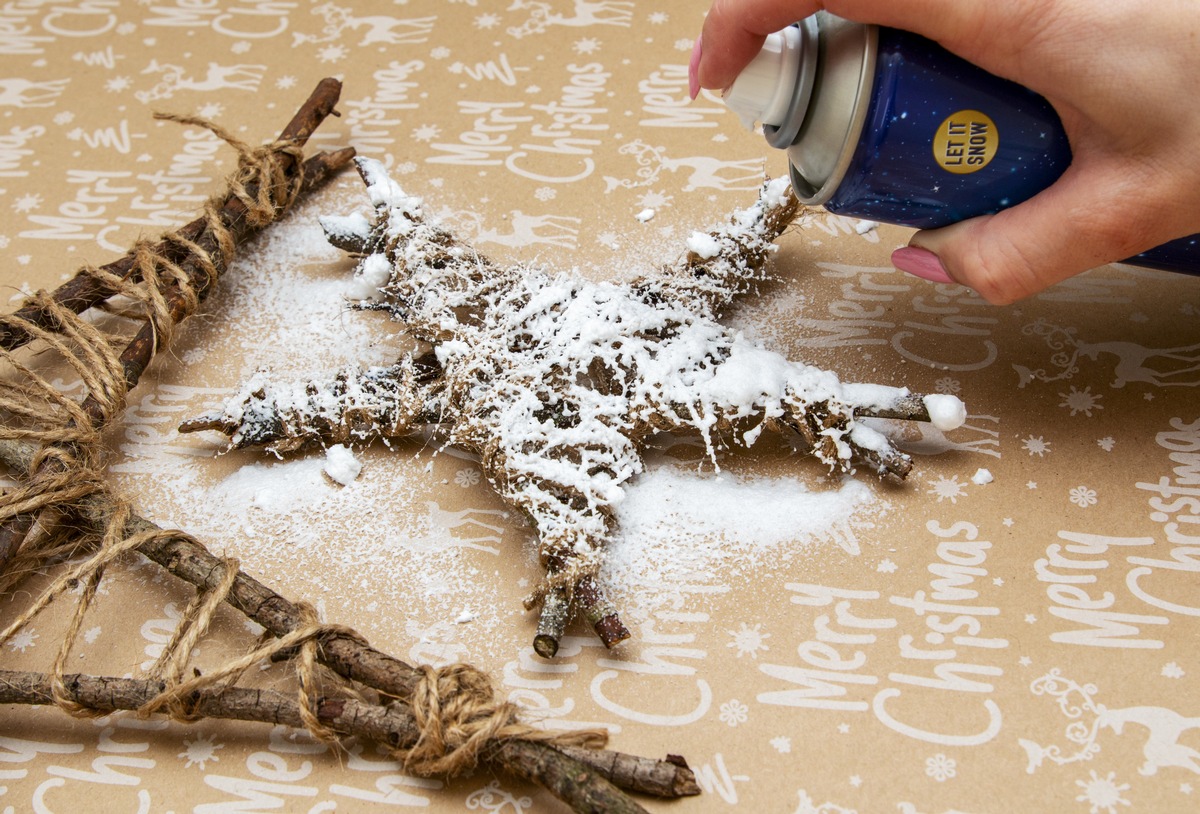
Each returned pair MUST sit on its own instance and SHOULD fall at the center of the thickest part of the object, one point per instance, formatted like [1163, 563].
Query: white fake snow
[945, 412]
[370, 276]
[341, 465]
[678, 527]
[982, 477]
[704, 245]
[646, 215]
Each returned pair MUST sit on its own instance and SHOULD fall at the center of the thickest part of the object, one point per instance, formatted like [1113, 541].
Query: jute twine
[455, 708]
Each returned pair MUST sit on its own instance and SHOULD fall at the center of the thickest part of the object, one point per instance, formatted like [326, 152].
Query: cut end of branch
[684, 782]
[611, 630]
[545, 645]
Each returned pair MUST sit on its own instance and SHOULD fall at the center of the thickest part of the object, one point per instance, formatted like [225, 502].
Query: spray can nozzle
[776, 86]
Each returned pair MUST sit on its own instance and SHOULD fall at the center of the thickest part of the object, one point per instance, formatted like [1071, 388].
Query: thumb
[1070, 227]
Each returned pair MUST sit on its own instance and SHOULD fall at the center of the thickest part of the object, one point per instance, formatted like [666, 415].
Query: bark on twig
[195, 255]
[87, 289]
[391, 725]
[353, 659]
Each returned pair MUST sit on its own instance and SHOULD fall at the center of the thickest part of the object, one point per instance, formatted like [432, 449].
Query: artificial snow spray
[886, 125]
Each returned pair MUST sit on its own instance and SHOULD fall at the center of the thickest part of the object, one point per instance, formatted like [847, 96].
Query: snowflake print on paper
[1107, 443]
[941, 768]
[27, 202]
[200, 750]
[587, 45]
[886, 566]
[655, 200]
[734, 712]
[545, 193]
[441, 52]
[947, 385]
[212, 110]
[92, 634]
[1083, 497]
[1036, 445]
[748, 640]
[684, 45]
[331, 53]
[1081, 401]
[467, 478]
[426, 132]
[117, 84]
[485, 22]
[22, 640]
[1172, 670]
[1102, 794]
[947, 488]
[608, 240]
[658, 17]
[285, 82]
[782, 744]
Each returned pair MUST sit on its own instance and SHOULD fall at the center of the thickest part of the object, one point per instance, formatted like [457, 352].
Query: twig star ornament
[556, 382]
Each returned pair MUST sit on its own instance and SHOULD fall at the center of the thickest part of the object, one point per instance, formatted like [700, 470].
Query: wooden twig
[87, 289]
[392, 725]
[197, 254]
[353, 659]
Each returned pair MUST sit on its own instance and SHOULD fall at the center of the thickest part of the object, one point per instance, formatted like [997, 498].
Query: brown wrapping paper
[1015, 628]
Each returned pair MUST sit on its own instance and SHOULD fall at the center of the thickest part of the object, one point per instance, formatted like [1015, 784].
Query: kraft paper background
[1025, 644]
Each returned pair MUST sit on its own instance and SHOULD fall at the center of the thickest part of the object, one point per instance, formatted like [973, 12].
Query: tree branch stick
[580, 786]
[351, 658]
[85, 291]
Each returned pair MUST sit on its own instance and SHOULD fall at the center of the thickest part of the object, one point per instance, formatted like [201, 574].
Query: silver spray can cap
[810, 86]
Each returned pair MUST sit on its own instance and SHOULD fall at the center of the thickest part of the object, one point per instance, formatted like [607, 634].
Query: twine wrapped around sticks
[53, 440]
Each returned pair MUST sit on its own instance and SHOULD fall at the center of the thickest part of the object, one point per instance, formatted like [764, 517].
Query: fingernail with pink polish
[693, 75]
[920, 263]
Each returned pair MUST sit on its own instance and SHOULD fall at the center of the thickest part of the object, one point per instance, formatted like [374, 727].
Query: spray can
[886, 125]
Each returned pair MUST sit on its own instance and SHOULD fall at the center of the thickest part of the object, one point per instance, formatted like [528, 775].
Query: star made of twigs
[556, 382]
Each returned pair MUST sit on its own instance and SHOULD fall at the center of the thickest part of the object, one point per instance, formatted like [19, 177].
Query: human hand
[1122, 76]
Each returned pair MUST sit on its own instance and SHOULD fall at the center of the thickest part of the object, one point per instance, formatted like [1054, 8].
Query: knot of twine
[459, 719]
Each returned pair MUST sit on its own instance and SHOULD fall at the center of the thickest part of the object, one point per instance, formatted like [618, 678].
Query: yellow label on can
[965, 142]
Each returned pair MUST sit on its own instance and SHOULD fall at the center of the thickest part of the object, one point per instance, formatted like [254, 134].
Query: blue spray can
[886, 125]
